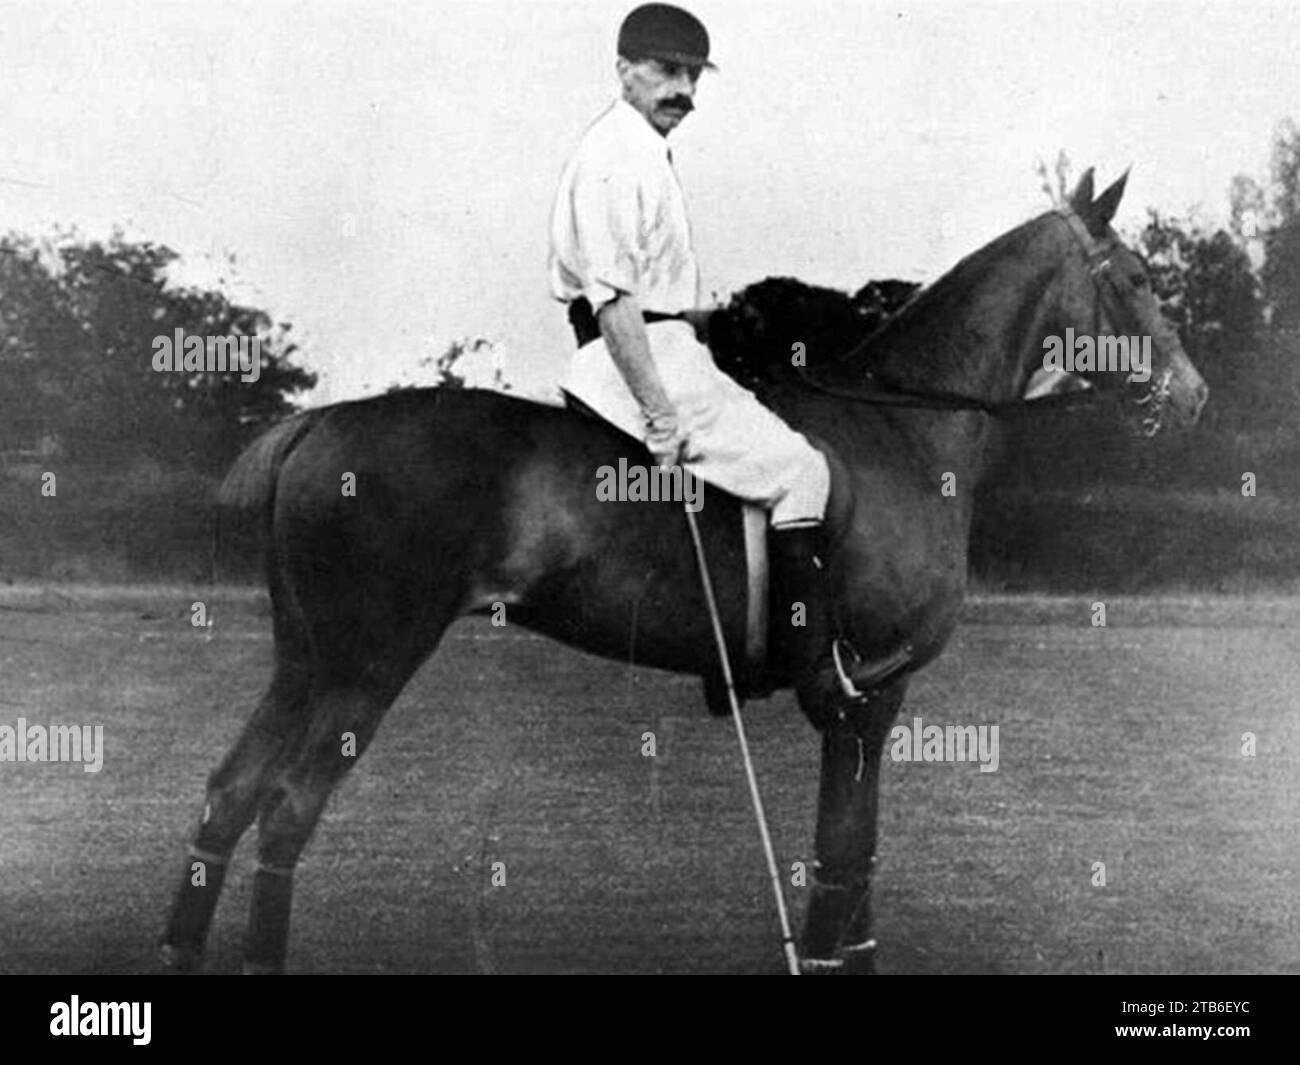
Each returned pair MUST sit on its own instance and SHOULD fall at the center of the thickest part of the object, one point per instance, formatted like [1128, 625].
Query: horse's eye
[1138, 280]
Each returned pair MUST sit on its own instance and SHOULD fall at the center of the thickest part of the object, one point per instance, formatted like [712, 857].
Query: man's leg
[749, 451]
[803, 621]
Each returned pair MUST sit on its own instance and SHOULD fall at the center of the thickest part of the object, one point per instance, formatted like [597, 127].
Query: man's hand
[665, 440]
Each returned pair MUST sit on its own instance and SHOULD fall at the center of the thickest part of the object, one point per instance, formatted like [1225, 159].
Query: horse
[463, 499]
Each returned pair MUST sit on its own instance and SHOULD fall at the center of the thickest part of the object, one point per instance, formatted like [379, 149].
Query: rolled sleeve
[607, 207]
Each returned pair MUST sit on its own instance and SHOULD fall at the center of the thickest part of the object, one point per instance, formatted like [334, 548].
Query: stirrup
[866, 676]
[850, 690]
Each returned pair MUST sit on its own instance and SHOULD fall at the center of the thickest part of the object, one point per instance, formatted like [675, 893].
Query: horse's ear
[1081, 197]
[1108, 202]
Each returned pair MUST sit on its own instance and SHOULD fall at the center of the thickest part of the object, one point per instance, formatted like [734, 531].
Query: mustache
[681, 103]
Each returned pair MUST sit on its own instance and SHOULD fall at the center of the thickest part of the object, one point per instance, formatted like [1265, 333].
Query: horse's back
[476, 498]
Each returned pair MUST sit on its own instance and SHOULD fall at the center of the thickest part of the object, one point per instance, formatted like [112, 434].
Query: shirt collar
[632, 119]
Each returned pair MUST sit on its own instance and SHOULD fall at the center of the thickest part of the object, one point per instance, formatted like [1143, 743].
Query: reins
[938, 399]
[891, 395]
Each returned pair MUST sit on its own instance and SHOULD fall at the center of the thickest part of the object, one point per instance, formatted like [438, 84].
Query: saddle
[752, 676]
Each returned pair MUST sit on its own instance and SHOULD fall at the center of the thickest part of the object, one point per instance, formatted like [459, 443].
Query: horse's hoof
[860, 960]
[179, 959]
[821, 966]
[252, 968]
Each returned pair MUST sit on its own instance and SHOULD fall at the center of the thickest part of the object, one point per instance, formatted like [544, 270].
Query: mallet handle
[787, 940]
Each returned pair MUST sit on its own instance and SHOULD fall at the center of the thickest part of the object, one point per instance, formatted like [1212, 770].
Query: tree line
[78, 319]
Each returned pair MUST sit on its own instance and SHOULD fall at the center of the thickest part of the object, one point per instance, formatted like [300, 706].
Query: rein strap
[890, 395]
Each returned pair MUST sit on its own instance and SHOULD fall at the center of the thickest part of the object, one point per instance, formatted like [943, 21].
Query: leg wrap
[192, 911]
[268, 926]
[839, 910]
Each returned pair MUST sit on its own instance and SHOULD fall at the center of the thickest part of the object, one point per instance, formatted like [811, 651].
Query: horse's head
[1106, 326]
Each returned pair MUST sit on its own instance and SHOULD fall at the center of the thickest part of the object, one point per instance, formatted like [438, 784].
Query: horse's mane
[753, 338]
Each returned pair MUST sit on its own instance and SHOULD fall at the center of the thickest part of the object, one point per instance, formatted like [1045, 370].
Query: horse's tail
[250, 484]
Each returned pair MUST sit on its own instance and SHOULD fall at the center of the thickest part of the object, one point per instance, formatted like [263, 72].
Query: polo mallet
[787, 940]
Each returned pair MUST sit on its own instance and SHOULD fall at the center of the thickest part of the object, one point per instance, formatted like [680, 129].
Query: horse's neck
[969, 331]
[977, 332]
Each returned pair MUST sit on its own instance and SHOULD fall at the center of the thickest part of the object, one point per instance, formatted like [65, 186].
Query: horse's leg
[837, 930]
[355, 684]
[343, 722]
[235, 790]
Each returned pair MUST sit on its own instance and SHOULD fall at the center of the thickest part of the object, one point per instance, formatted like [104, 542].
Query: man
[621, 258]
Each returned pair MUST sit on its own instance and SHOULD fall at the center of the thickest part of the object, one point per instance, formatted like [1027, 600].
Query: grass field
[1119, 745]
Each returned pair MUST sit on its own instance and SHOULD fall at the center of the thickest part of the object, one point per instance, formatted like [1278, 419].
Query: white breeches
[742, 447]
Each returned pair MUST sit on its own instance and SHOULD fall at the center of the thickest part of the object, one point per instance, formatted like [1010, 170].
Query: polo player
[621, 259]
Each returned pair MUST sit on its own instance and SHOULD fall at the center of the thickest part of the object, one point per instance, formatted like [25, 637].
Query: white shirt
[619, 223]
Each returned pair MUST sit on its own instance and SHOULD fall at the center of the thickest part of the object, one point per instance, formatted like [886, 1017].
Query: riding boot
[803, 625]
[807, 636]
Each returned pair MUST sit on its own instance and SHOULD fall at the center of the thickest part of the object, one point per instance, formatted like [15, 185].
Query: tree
[1281, 270]
[1208, 290]
[466, 363]
[78, 320]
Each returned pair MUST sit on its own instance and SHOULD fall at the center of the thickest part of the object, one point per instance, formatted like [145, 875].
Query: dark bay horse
[466, 498]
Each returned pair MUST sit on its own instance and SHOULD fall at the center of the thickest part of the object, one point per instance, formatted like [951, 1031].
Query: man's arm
[623, 328]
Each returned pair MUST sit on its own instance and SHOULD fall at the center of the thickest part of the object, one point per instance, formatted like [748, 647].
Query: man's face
[661, 90]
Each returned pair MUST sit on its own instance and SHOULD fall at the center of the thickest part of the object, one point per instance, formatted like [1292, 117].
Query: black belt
[586, 328]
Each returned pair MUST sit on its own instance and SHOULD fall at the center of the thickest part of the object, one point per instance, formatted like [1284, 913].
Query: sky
[383, 172]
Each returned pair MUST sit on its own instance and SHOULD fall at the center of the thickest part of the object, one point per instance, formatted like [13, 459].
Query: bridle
[1105, 277]
[1110, 294]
